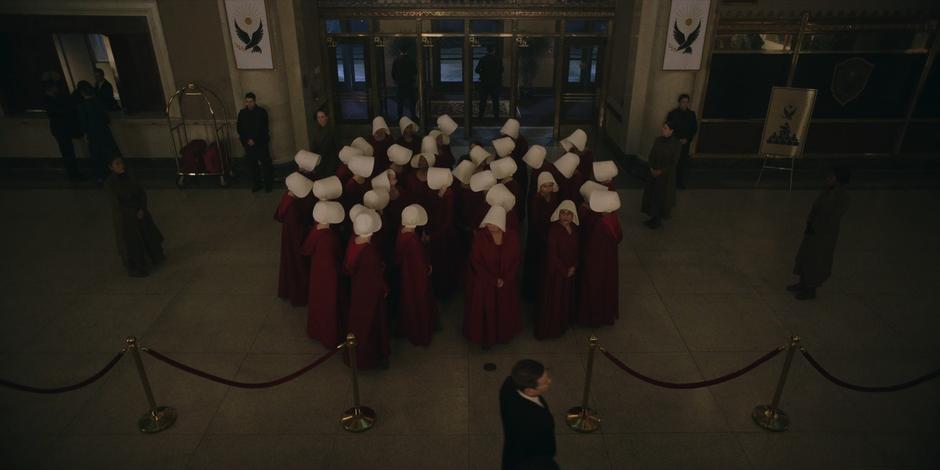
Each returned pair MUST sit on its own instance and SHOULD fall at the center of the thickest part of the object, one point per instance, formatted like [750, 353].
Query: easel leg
[792, 165]
[761, 174]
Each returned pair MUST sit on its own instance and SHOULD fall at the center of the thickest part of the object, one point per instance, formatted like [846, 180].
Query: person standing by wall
[404, 73]
[814, 259]
[686, 127]
[97, 127]
[659, 196]
[254, 135]
[65, 126]
[104, 92]
[490, 70]
[325, 144]
[528, 426]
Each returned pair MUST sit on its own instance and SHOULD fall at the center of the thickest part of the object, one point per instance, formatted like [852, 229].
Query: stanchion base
[358, 419]
[769, 418]
[583, 419]
[157, 420]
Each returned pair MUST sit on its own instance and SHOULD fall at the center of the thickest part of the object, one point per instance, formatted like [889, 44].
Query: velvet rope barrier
[233, 383]
[68, 388]
[689, 385]
[861, 388]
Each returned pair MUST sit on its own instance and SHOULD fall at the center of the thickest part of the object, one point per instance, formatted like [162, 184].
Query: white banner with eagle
[686, 35]
[248, 23]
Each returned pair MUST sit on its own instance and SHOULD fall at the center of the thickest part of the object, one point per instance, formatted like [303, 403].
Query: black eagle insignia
[685, 43]
[251, 43]
[788, 111]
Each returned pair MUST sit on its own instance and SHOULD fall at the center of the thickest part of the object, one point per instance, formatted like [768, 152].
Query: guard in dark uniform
[528, 427]
[686, 127]
[255, 136]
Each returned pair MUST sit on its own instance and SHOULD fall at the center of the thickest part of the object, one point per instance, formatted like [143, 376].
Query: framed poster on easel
[785, 127]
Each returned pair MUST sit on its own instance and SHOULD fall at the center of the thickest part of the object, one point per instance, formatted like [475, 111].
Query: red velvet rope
[233, 383]
[704, 383]
[68, 388]
[862, 388]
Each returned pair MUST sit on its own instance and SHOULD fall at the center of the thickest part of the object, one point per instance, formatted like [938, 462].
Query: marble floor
[699, 298]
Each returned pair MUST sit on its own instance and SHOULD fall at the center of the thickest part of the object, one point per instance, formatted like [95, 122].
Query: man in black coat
[104, 92]
[62, 110]
[528, 427]
[686, 127]
[405, 73]
[254, 135]
[490, 69]
[96, 124]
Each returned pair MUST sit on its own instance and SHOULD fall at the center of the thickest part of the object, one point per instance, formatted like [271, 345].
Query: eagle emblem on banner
[849, 79]
[686, 28]
[250, 43]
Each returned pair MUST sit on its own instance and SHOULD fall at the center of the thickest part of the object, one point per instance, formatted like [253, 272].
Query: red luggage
[191, 156]
[212, 159]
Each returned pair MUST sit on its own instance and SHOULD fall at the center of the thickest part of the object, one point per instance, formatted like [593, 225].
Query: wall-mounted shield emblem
[849, 79]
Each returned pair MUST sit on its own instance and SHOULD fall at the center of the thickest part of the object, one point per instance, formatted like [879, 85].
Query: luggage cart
[196, 115]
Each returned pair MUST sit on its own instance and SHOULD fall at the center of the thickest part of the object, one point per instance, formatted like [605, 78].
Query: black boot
[807, 293]
[796, 287]
[653, 223]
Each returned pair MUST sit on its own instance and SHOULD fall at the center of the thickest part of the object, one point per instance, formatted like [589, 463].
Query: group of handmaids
[390, 233]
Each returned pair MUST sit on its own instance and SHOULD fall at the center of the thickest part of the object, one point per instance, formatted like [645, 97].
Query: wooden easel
[765, 166]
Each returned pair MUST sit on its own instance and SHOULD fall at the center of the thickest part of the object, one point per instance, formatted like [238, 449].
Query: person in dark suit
[686, 127]
[405, 73]
[490, 70]
[96, 124]
[528, 426]
[254, 135]
[64, 123]
[104, 92]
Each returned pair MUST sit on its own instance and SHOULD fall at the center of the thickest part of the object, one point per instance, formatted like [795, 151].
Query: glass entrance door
[443, 85]
[397, 76]
[581, 78]
[535, 99]
[350, 71]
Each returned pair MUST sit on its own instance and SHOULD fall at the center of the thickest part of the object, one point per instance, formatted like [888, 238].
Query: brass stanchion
[771, 417]
[358, 418]
[583, 418]
[158, 418]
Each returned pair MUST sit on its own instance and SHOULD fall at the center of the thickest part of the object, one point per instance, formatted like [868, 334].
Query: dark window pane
[739, 84]
[886, 94]
[486, 26]
[98, 48]
[928, 104]
[922, 138]
[333, 26]
[753, 42]
[729, 137]
[26, 57]
[598, 26]
[854, 138]
[576, 26]
[447, 26]
[138, 78]
[358, 26]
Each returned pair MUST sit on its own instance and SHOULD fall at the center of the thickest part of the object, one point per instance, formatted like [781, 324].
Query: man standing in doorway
[254, 135]
[490, 70]
[104, 92]
[404, 73]
[686, 127]
[528, 427]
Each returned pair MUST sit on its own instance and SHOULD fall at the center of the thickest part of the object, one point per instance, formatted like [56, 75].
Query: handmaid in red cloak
[442, 233]
[293, 213]
[367, 317]
[556, 305]
[325, 251]
[599, 290]
[417, 311]
[492, 311]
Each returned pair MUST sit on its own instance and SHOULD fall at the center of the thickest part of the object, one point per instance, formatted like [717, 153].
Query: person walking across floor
[814, 259]
[528, 426]
[254, 135]
[65, 126]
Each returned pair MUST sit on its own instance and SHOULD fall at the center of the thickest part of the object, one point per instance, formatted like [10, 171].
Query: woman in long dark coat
[138, 238]
[659, 196]
[814, 260]
[326, 145]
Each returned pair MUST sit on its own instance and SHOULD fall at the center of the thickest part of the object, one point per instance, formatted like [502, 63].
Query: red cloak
[442, 229]
[417, 189]
[492, 314]
[367, 318]
[599, 272]
[414, 145]
[586, 164]
[417, 312]
[540, 214]
[353, 192]
[323, 319]
[343, 173]
[292, 279]
[522, 169]
[556, 306]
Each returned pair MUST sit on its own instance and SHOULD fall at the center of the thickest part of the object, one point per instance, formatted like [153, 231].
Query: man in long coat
[814, 259]
[659, 196]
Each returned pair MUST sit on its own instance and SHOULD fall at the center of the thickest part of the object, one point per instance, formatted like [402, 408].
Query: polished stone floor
[699, 298]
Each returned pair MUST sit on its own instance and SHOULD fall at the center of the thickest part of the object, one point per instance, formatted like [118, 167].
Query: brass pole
[771, 417]
[583, 418]
[157, 418]
[358, 418]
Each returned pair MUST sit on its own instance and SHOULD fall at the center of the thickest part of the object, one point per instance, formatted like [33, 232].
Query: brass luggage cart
[196, 117]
